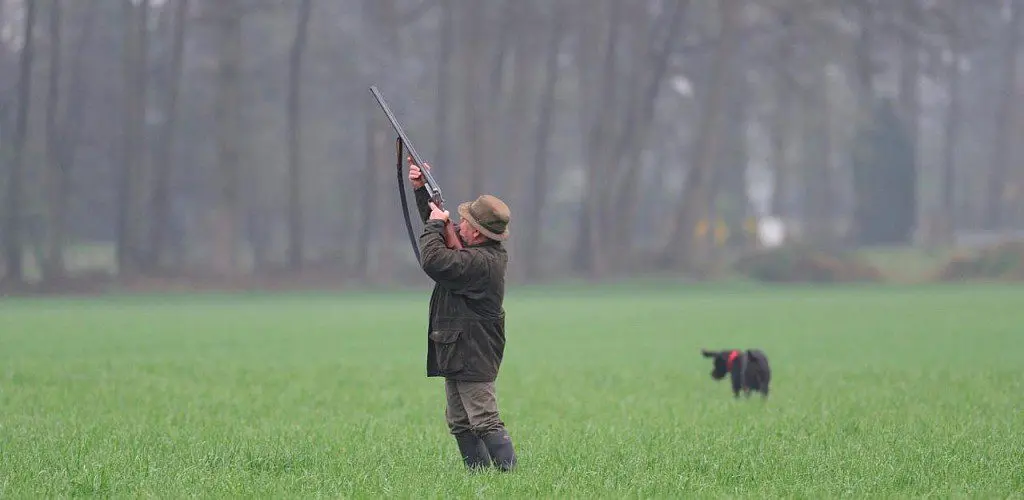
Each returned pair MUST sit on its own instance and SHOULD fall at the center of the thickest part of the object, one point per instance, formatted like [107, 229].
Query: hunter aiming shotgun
[450, 238]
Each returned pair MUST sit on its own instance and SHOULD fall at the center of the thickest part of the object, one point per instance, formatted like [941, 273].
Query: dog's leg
[737, 378]
[744, 362]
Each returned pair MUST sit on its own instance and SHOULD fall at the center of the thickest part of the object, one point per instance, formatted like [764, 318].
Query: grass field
[877, 392]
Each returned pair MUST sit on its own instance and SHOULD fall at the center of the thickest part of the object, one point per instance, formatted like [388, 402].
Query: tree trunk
[685, 247]
[999, 190]
[533, 221]
[134, 66]
[13, 227]
[781, 123]
[67, 134]
[474, 45]
[952, 134]
[514, 145]
[225, 215]
[590, 252]
[381, 151]
[632, 140]
[910, 70]
[732, 205]
[141, 182]
[865, 63]
[368, 221]
[783, 130]
[295, 212]
[53, 263]
[489, 104]
[446, 38]
[160, 201]
[819, 214]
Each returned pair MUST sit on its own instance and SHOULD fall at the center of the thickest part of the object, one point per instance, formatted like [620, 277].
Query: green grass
[877, 392]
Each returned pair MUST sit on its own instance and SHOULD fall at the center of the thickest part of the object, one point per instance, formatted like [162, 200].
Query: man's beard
[458, 234]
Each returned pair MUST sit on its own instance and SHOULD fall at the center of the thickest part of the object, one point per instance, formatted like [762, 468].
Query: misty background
[189, 142]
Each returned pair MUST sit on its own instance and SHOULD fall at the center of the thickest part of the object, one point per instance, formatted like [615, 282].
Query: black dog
[749, 369]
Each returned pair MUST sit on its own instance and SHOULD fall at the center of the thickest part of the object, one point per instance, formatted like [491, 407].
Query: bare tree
[473, 47]
[295, 212]
[160, 202]
[383, 17]
[684, 246]
[62, 130]
[998, 194]
[647, 82]
[228, 20]
[53, 265]
[818, 161]
[444, 69]
[13, 225]
[954, 116]
[782, 129]
[130, 218]
[910, 77]
[598, 103]
[546, 111]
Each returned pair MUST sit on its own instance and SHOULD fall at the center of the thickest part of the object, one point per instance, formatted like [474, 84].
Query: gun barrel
[431, 184]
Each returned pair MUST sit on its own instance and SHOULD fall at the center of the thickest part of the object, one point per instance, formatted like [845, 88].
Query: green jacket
[466, 328]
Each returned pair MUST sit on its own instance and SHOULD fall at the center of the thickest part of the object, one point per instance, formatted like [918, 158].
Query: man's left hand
[437, 213]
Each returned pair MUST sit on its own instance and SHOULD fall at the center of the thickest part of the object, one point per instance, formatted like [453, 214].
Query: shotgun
[451, 239]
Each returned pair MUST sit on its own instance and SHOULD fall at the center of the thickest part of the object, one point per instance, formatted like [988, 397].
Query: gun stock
[450, 238]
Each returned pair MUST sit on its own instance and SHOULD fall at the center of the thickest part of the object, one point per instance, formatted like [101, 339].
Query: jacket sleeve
[422, 198]
[456, 270]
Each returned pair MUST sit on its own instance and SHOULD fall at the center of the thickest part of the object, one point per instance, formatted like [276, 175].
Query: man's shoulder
[485, 262]
[490, 247]
[493, 251]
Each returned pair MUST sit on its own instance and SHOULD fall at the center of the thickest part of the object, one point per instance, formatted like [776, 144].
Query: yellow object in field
[701, 229]
[721, 233]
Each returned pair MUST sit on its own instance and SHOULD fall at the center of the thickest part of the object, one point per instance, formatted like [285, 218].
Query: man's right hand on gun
[415, 176]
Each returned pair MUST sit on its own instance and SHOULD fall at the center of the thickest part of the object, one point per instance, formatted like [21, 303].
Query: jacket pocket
[446, 350]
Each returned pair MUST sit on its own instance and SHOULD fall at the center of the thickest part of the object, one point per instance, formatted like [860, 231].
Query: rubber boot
[473, 451]
[499, 445]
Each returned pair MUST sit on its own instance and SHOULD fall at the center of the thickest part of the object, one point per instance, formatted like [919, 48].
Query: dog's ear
[707, 353]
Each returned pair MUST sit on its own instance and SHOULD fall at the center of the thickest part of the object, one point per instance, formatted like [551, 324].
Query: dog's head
[722, 361]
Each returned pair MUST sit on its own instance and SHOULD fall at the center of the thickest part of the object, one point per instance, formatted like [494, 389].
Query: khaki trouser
[471, 406]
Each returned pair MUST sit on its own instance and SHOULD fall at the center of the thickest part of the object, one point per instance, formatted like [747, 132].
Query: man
[466, 330]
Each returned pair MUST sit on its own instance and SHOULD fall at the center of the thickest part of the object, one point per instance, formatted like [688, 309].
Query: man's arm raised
[422, 198]
[454, 269]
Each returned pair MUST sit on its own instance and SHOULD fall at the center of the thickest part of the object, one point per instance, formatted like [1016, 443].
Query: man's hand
[415, 175]
[437, 213]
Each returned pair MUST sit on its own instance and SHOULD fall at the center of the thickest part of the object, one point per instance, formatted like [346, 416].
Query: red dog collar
[732, 357]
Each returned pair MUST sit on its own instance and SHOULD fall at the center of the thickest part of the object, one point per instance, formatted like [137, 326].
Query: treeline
[230, 138]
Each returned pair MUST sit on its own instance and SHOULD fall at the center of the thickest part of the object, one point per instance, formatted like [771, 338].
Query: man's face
[467, 232]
